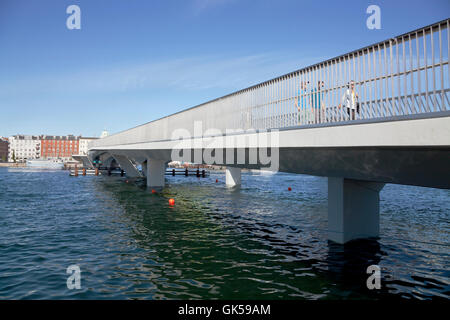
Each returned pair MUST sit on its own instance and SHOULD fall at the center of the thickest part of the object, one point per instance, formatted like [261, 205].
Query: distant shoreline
[12, 164]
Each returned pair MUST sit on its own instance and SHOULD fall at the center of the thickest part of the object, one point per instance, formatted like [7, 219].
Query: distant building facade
[24, 147]
[59, 147]
[84, 144]
[4, 147]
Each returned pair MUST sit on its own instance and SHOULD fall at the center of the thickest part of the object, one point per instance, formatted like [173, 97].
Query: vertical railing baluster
[376, 105]
[306, 96]
[441, 67]
[294, 80]
[326, 97]
[387, 109]
[413, 99]
[299, 94]
[405, 76]
[284, 100]
[339, 84]
[394, 108]
[432, 70]
[273, 106]
[448, 54]
[382, 106]
[419, 85]
[311, 93]
[359, 55]
[369, 100]
[425, 57]
[334, 101]
[330, 90]
[363, 102]
[265, 106]
[343, 83]
[399, 99]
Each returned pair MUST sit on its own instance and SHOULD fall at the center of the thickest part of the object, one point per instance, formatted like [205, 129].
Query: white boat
[45, 164]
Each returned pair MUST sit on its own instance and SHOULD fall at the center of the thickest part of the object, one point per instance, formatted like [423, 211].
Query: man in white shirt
[350, 100]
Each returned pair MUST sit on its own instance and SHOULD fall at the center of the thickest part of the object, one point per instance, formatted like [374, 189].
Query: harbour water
[259, 242]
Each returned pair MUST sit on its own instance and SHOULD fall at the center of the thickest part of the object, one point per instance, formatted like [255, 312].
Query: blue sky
[134, 61]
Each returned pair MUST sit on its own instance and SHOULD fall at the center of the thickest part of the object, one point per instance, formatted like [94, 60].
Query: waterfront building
[59, 147]
[27, 147]
[84, 144]
[24, 147]
[4, 146]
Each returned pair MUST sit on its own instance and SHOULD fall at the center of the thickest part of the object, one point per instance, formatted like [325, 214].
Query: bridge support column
[155, 173]
[232, 176]
[353, 209]
[144, 168]
[127, 165]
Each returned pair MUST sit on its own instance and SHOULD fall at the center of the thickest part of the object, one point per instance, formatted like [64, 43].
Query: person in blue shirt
[302, 104]
[317, 98]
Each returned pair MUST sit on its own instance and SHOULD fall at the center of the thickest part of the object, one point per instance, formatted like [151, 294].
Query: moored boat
[45, 164]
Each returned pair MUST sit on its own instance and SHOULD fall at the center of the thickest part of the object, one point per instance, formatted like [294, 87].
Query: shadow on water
[347, 264]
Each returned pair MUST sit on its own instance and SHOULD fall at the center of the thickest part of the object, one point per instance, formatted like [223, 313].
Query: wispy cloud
[182, 74]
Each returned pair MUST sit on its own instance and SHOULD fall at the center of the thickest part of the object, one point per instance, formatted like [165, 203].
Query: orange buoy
[171, 202]
[289, 189]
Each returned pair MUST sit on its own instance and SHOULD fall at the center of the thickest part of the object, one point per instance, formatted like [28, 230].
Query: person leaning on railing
[350, 100]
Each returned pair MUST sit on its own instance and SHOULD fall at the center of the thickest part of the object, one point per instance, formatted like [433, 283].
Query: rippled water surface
[259, 242]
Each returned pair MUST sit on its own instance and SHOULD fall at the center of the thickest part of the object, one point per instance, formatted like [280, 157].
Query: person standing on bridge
[350, 100]
[302, 104]
[317, 95]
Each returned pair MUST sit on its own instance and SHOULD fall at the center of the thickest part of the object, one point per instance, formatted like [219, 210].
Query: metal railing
[405, 75]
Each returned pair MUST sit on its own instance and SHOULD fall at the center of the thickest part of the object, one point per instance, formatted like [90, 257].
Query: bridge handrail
[404, 75]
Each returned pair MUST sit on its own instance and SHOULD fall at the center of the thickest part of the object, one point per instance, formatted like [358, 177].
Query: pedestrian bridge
[375, 115]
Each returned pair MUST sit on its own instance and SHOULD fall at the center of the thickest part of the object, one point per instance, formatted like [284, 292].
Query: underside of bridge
[356, 174]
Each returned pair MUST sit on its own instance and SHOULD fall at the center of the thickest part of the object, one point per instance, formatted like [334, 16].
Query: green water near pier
[258, 242]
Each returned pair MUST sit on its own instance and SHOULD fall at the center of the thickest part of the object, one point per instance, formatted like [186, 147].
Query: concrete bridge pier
[127, 165]
[232, 177]
[155, 173]
[144, 168]
[353, 209]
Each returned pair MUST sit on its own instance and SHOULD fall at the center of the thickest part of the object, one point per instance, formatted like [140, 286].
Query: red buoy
[217, 180]
[171, 202]
[289, 189]
[153, 191]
